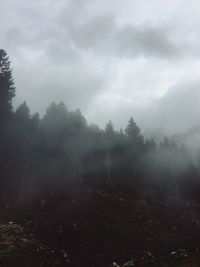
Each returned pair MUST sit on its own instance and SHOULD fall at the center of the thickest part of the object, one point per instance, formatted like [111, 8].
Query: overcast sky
[111, 58]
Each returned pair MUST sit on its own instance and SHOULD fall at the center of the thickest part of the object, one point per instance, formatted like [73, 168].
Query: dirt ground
[91, 226]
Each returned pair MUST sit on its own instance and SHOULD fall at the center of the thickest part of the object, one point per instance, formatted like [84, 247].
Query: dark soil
[91, 226]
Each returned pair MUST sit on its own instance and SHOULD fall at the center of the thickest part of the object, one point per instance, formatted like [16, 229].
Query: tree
[134, 135]
[78, 129]
[134, 147]
[23, 137]
[7, 92]
[7, 88]
[110, 138]
[23, 125]
[22, 112]
[165, 144]
[150, 146]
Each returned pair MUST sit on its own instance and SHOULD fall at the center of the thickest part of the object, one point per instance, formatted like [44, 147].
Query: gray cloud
[102, 35]
[177, 112]
[75, 85]
[110, 59]
[146, 41]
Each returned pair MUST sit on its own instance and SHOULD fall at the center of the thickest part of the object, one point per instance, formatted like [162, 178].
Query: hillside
[98, 226]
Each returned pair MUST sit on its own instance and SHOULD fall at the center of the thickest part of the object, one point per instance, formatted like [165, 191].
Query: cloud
[41, 84]
[102, 35]
[177, 112]
[147, 41]
[113, 60]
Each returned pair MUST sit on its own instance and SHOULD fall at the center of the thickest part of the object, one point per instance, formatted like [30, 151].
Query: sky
[113, 59]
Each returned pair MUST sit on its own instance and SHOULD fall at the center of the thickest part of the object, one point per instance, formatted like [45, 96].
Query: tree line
[62, 148]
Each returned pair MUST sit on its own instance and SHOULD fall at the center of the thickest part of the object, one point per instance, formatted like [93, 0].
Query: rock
[129, 264]
[179, 254]
[115, 264]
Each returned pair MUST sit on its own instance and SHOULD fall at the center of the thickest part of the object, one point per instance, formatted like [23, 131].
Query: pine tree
[110, 137]
[7, 92]
[7, 88]
[134, 135]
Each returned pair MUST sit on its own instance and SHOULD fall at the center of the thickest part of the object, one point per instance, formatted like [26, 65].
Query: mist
[99, 133]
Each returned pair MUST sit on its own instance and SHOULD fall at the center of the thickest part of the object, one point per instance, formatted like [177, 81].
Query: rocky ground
[98, 226]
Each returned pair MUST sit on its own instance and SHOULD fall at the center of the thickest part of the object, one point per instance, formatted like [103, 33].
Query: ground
[91, 226]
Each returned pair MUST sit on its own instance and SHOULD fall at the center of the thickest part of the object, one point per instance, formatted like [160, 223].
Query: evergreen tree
[110, 139]
[23, 137]
[7, 88]
[134, 135]
[134, 146]
[7, 92]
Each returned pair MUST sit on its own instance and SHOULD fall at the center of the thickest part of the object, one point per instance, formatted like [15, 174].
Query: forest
[47, 160]
[62, 148]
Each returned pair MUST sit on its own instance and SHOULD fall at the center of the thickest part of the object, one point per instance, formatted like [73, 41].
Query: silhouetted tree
[134, 147]
[7, 92]
[7, 88]
[134, 135]
[23, 137]
[110, 139]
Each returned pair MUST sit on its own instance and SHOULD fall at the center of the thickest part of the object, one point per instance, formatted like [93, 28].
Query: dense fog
[62, 148]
